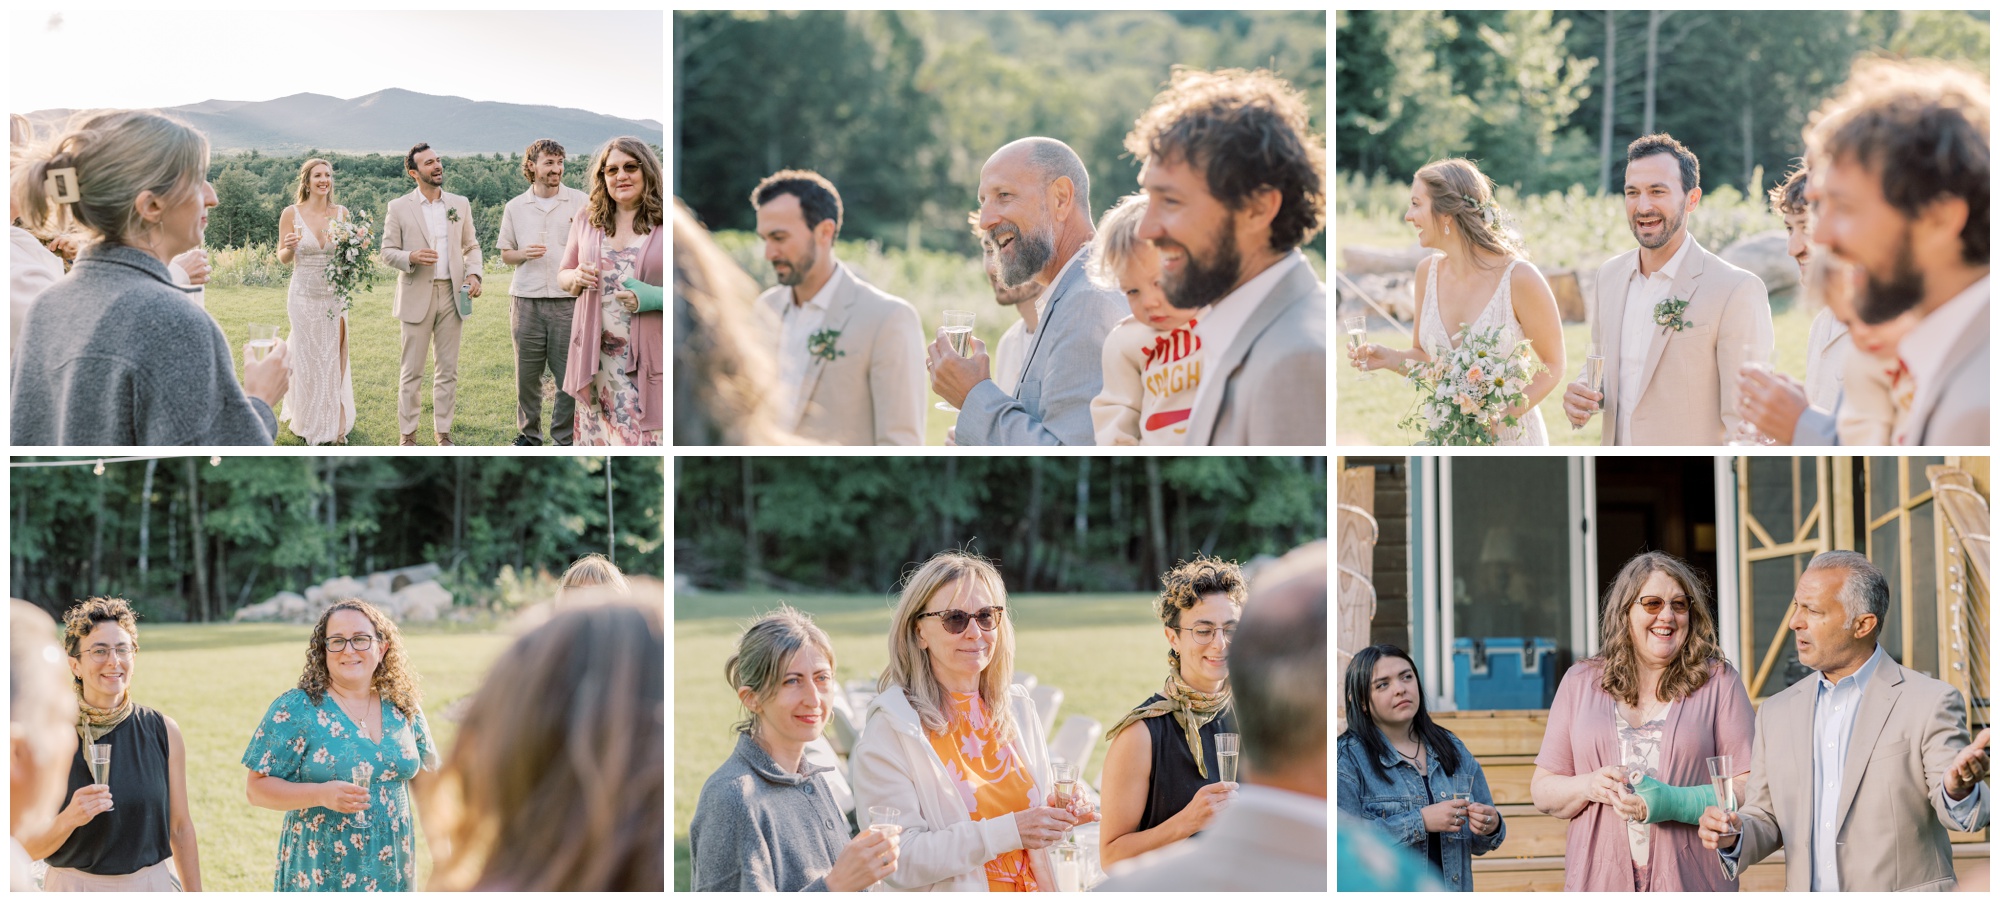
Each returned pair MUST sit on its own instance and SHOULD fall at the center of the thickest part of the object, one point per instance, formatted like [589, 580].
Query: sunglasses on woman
[1652, 604]
[955, 620]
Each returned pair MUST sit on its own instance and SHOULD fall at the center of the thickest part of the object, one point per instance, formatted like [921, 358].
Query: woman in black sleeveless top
[1155, 790]
[120, 836]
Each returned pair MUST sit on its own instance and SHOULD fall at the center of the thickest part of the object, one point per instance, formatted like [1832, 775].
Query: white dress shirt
[1924, 347]
[795, 335]
[31, 270]
[437, 225]
[1218, 327]
[1635, 342]
[1009, 354]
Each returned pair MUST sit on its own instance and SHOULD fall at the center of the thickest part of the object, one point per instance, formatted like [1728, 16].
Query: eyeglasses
[955, 620]
[360, 643]
[1652, 604]
[1204, 635]
[103, 653]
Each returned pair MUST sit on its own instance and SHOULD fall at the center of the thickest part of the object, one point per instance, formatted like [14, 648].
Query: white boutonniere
[1668, 314]
[451, 213]
[821, 345]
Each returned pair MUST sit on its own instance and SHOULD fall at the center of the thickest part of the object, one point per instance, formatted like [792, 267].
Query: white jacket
[943, 848]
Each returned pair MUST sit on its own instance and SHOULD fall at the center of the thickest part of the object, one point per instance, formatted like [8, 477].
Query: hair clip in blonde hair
[62, 187]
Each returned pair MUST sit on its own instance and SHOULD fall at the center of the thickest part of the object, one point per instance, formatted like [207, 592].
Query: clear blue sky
[79, 59]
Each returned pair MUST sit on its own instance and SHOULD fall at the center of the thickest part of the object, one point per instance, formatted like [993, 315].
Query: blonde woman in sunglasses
[953, 747]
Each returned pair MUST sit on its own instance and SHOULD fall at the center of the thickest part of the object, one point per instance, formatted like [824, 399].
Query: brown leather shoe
[444, 440]
[409, 440]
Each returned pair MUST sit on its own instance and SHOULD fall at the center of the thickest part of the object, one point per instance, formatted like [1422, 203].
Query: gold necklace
[360, 722]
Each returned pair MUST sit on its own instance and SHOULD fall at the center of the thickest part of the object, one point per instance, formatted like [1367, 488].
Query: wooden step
[1970, 861]
[1497, 732]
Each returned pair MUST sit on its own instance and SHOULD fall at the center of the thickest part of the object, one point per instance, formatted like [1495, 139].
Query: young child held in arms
[1152, 359]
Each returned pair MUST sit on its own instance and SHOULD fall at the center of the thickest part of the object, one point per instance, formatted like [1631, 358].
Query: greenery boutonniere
[451, 213]
[1668, 314]
[821, 345]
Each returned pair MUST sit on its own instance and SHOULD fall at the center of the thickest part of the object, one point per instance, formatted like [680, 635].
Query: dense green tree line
[901, 108]
[1052, 524]
[252, 189]
[1545, 100]
[195, 541]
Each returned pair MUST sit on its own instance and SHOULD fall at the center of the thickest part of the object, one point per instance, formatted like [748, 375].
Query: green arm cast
[1674, 803]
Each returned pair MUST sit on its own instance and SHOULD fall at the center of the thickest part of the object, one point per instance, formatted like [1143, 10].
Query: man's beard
[1886, 299]
[795, 274]
[1669, 227]
[1032, 251]
[1200, 284]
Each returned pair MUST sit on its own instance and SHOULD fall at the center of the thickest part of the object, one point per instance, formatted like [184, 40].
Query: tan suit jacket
[403, 231]
[1271, 380]
[873, 392]
[1254, 845]
[1687, 392]
[1892, 820]
[1961, 413]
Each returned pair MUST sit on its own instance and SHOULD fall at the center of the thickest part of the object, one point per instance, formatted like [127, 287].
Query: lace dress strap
[1431, 313]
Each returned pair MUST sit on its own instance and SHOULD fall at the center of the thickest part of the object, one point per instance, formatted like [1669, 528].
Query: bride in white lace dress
[320, 405]
[1479, 280]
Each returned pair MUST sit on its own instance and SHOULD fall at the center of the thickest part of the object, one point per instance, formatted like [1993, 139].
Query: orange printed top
[991, 781]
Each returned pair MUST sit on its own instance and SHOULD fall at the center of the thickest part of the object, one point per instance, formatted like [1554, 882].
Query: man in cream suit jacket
[849, 354]
[1670, 374]
[427, 234]
[1860, 770]
[1264, 334]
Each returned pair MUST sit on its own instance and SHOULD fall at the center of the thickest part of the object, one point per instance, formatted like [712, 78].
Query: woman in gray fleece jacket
[114, 353]
[767, 820]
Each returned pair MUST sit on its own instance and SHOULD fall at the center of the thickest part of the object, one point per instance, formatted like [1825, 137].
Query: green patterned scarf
[93, 724]
[1191, 707]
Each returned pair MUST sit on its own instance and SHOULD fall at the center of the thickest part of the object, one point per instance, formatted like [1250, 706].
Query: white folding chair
[1047, 700]
[1026, 681]
[1072, 743]
[820, 752]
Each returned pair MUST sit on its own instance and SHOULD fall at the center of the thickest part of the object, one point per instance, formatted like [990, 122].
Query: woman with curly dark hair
[339, 754]
[131, 830]
[1162, 783]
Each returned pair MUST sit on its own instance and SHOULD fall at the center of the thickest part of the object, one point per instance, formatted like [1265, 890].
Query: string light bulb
[98, 470]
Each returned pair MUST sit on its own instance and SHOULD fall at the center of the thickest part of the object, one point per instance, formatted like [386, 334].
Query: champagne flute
[1357, 335]
[1226, 748]
[363, 775]
[1064, 795]
[882, 819]
[1593, 372]
[263, 340]
[1465, 797]
[1723, 777]
[100, 766]
[1634, 773]
[958, 334]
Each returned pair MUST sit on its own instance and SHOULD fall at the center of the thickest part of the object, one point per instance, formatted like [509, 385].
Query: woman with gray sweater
[114, 353]
[767, 820]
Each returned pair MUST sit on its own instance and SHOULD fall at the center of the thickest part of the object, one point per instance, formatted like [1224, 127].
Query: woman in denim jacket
[1399, 769]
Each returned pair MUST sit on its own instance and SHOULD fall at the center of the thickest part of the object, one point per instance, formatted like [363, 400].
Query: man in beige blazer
[850, 356]
[1669, 376]
[1860, 770]
[427, 234]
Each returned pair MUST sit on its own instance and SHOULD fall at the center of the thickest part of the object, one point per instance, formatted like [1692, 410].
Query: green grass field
[485, 414]
[216, 680]
[1366, 408]
[1104, 651]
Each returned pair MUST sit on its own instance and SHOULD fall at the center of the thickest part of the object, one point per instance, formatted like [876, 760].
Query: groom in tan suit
[427, 234]
[1860, 770]
[1674, 322]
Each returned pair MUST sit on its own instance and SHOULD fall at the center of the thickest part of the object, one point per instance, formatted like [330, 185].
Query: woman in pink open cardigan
[1658, 697]
[614, 262]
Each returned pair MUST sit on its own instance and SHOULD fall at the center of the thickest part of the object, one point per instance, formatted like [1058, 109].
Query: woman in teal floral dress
[338, 755]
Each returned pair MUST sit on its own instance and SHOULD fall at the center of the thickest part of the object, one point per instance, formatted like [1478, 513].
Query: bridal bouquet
[348, 269]
[1463, 396]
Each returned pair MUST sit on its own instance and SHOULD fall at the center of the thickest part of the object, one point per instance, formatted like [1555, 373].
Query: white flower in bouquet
[1467, 395]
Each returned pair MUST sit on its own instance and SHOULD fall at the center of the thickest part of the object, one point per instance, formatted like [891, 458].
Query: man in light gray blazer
[1035, 206]
[1860, 770]
[1235, 184]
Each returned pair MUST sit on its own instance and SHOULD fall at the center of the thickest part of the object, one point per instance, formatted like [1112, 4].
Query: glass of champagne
[1357, 335]
[1723, 777]
[100, 765]
[1593, 372]
[1064, 795]
[882, 819]
[958, 334]
[263, 340]
[363, 775]
[1465, 797]
[1225, 757]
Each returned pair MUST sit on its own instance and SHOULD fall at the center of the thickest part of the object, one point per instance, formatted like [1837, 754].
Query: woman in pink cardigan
[1658, 700]
[613, 263]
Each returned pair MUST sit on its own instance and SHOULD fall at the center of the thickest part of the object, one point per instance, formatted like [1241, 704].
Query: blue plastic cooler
[1504, 673]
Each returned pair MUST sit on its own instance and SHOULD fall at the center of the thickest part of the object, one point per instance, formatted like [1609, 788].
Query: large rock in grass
[269, 610]
[422, 602]
[336, 589]
[1764, 254]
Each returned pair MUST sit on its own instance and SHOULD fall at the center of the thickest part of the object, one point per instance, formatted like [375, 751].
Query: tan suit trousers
[440, 329]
